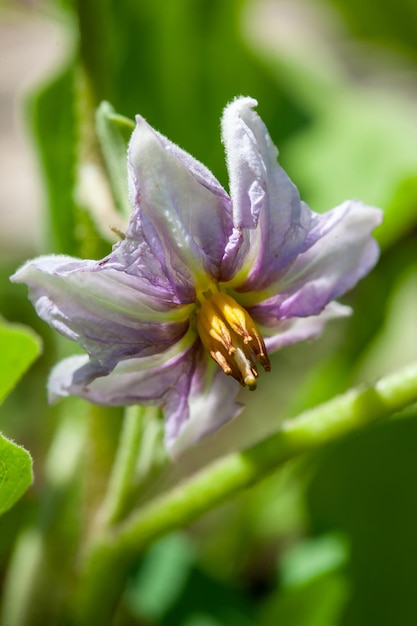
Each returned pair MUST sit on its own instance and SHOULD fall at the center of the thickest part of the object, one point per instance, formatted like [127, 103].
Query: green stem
[138, 459]
[120, 482]
[115, 551]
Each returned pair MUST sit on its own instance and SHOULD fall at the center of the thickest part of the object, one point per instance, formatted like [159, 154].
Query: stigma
[231, 337]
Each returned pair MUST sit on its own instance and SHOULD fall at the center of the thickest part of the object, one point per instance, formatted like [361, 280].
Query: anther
[231, 337]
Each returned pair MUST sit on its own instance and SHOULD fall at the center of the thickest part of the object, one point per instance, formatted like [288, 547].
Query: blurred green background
[331, 539]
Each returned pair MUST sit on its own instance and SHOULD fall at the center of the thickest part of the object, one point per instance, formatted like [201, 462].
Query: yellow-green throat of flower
[231, 337]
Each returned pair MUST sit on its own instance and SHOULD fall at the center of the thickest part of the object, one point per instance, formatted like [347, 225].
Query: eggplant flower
[205, 285]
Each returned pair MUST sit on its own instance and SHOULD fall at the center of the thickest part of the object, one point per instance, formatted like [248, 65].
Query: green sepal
[114, 131]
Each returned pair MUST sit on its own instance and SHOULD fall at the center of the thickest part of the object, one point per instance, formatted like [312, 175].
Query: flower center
[231, 337]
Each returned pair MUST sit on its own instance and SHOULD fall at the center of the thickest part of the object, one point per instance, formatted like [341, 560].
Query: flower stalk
[132, 464]
[108, 559]
[124, 464]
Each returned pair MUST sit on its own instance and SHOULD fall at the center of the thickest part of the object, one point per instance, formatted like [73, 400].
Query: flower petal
[146, 381]
[195, 396]
[211, 404]
[266, 205]
[134, 257]
[180, 209]
[339, 258]
[111, 314]
[287, 332]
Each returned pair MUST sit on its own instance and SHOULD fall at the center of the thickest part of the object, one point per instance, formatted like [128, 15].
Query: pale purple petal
[180, 210]
[336, 261]
[287, 332]
[195, 396]
[61, 376]
[111, 314]
[134, 257]
[201, 173]
[152, 380]
[211, 404]
[267, 211]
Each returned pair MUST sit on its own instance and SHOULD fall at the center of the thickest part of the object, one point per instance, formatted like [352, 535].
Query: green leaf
[15, 473]
[114, 131]
[19, 347]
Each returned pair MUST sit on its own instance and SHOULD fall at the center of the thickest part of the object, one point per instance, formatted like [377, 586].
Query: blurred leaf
[316, 604]
[364, 488]
[390, 24]
[114, 132]
[401, 213]
[162, 577]
[15, 473]
[363, 145]
[19, 347]
[313, 558]
[396, 343]
[178, 64]
[53, 119]
[201, 620]
[206, 595]
[313, 590]
[362, 138]
[170, 588]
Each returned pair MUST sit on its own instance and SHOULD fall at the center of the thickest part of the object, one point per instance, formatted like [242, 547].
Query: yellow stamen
[231, 337]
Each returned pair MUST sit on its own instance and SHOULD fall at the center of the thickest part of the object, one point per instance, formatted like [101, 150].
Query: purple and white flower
[205, 284]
